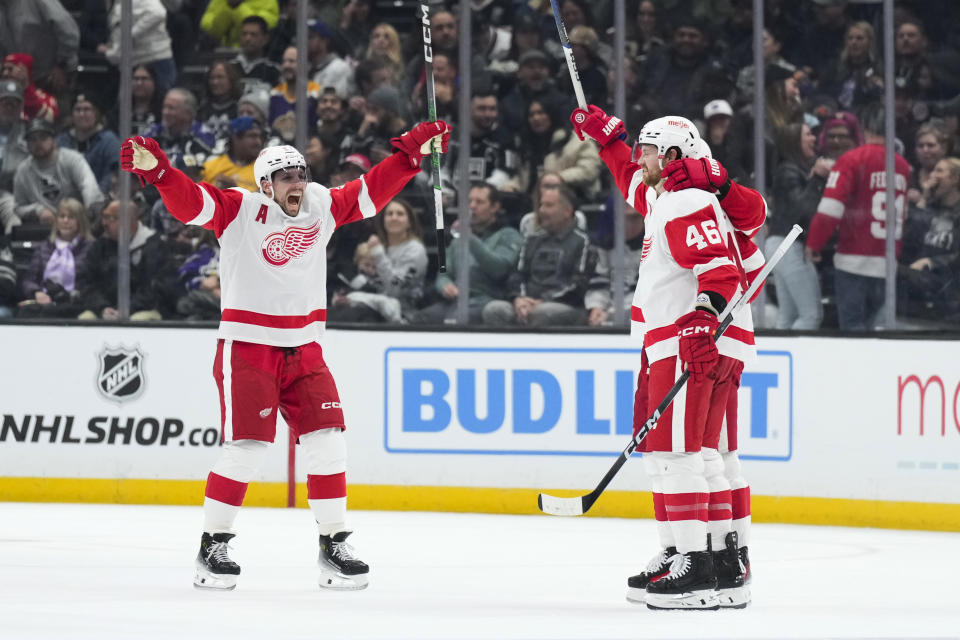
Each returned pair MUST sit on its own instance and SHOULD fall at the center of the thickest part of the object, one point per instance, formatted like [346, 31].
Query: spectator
[385, 41]
[819, 41]
[857, 77]
[382, 120]
[533, 83]
[151, 42]
[36, 102]
[200, 276]
[783, 99]
[223, 19]
[352, 167]
[283, 98]
[853, 201]
[493, 150]
[43, 29]
[282, 35]
[930, 279]
[645, 35]
[13, 146]
[556, 264]
[50, 175]
[185, 140]
[798, 184]
[444, 90]
[332, 125]
[492, 257]
[526, 37]
[529, 223]
[839, 134]
[252, 62]
[356, 25]
[321, 158]
[445, 35]
[676, 75]
[255, 103]
[97, 280]
[599, 296]
[550, 146]
[8, 279]
[147, 102]
[326, 67]
[931, 148]
[590, 66]
[726, 139]
[394, 287]
[235, 167]
[50, 282]
[771, 56]
[89, 136]
[935, 80]
[219, 106]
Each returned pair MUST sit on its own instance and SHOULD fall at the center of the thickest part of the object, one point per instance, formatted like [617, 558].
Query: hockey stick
[435, 155]
[580, 505]
[568, 53]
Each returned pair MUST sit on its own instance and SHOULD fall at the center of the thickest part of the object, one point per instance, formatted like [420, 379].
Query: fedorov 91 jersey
[273, 267]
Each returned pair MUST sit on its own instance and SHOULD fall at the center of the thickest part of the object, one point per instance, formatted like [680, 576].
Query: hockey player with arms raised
[273, 275]
[690, 271]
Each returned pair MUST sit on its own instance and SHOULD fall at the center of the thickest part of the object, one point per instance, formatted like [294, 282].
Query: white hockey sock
[325, 453]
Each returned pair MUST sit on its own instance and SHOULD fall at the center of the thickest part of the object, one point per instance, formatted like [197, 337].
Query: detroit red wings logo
[647, 244]
[280, 248]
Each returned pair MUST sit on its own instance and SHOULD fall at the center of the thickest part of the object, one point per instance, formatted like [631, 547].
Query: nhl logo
[120, 375]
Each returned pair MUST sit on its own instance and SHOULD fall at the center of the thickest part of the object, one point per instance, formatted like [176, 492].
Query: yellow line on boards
[615, 504]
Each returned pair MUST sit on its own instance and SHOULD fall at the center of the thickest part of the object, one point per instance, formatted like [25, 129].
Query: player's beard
[652, 178]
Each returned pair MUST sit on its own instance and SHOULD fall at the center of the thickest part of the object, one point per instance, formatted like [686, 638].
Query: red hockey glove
[596, 124]
[144, 157]
[697, 347]
[417, 142]
[690, 173]
[640, 399]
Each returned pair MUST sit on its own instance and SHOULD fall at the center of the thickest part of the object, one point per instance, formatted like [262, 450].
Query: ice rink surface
[113, 571]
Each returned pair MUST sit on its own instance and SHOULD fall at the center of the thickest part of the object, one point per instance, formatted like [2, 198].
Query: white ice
[115, 571]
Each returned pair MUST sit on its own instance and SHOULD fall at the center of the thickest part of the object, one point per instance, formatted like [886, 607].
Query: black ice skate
[658, 567]
[690, 584]
[339, 567]
[730, 575]
[214, 568]
[745, 561]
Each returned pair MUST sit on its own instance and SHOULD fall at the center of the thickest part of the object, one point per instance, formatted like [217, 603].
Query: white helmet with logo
[669, 132]
[704, 150]
[273, 159]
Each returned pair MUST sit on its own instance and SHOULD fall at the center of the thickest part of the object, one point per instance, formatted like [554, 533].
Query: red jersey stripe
[636, 314]
[274, 322]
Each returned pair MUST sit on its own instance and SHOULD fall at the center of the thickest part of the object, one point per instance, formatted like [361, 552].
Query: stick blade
[561, 506]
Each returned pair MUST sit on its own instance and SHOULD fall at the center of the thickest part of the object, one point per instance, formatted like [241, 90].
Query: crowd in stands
[215, 81]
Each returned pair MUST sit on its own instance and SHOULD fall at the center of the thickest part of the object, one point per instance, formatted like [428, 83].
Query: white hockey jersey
[686, 250]
[273, 267]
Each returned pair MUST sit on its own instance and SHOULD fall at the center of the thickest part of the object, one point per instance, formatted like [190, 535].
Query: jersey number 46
[710, 235]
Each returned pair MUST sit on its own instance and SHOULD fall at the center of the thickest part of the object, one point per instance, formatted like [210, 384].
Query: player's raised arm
[610, 134]
[368, 194]
[201, 204]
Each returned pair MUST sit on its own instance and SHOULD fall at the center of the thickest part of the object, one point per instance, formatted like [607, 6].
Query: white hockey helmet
[669, 132]
[273, 159]
[704, 150]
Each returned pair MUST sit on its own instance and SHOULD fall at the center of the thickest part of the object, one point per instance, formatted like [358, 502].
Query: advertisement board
[820, 418]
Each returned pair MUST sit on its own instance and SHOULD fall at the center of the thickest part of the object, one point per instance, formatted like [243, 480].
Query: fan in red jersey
[273, 303]
[696, 259]
[855, 202]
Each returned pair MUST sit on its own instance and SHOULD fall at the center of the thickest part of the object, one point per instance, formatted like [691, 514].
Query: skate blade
[736, 598]
[637, 596]
[214, 582]
[694, 600]
[332, 579]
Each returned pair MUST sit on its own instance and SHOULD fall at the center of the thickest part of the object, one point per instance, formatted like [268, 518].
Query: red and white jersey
[690, 246]
[855, 201]
[273, 267]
